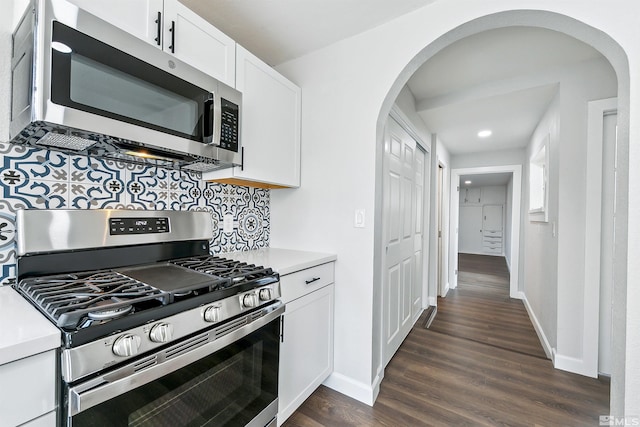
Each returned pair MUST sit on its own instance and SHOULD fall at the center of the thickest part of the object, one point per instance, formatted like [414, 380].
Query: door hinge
[458, 189]
[456, 272]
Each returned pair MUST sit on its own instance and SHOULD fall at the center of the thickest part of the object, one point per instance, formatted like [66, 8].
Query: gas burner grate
[70, 299]
[235, 271]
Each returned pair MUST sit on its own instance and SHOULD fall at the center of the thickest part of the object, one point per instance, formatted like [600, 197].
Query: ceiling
[280, 30]
[486, 180]
[502, 80]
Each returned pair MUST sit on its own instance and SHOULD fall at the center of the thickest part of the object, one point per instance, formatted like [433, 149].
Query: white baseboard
[433, 300]
[538, 328]
[573, 365]
[446, 290]
[362, 392]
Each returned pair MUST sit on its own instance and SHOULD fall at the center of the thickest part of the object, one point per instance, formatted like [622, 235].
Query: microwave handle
[208, 120]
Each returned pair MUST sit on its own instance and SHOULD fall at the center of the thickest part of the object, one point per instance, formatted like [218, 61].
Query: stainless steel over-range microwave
[82, 85]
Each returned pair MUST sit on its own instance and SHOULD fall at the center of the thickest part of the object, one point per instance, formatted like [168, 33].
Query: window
[538, 177]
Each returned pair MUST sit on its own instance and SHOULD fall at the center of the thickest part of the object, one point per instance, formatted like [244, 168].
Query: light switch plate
[227, 224]
[359, 219]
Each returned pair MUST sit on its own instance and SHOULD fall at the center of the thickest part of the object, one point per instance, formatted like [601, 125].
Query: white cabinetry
[193, 40]
[492, 229]
[470, 196]
[28, 390]
[173, 27]
[270, 127]
[306, 350]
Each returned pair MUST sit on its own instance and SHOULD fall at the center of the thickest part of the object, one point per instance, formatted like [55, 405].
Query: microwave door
[97, 78]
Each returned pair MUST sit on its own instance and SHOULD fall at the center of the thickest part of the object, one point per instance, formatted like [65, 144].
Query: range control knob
[126, 345]
[265, 294]
[249, 300]
[161, 332]
[213, 313]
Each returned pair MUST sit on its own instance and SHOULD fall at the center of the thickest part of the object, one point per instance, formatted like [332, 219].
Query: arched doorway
[617, 58]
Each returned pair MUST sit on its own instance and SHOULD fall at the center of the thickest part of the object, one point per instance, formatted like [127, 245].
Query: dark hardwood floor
[480, 363]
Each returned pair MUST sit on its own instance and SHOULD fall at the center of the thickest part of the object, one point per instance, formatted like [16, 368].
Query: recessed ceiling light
[467, 182]
[484, 133]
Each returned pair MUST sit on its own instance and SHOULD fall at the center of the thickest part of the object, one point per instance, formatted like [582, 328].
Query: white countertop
[283, 261]
[24, 331]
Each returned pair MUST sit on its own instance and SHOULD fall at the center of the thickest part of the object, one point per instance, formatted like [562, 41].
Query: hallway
[480, 363]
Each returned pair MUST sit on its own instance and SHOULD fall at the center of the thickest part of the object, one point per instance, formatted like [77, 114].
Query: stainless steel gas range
[156, 331]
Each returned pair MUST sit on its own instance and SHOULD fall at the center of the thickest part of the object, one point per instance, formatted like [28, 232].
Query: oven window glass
[227, 388]
[91, 76]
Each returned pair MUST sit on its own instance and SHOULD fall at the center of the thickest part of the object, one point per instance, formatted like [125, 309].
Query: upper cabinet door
[138, 17]
[198, 43]
[270, 122]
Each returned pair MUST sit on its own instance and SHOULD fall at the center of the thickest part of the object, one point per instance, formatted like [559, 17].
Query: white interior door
[402, 276]
[470, 230]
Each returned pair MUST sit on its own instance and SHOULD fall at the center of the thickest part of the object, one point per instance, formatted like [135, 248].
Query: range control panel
[118, 226]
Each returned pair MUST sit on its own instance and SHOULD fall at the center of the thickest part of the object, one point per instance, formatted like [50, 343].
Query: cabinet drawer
[302, 282]
[29, 388]
[492, 249]
[492, 233]
[490, 240]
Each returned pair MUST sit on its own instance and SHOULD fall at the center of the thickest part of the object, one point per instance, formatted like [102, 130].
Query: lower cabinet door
[306, 350]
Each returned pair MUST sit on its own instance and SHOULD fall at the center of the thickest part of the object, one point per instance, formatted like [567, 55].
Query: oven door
[227, 376]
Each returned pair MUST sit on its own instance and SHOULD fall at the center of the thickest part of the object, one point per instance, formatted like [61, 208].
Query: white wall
[349, 88]
[488, 158]
[576, 89]
[540, 246]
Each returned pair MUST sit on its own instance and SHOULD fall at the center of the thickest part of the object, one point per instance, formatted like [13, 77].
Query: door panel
[403, 198]
[492, 217]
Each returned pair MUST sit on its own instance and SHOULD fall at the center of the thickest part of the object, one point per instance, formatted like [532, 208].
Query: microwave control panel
[229, 125]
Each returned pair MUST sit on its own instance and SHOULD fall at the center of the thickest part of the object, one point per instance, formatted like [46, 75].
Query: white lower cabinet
[28, 391]
[306, 349]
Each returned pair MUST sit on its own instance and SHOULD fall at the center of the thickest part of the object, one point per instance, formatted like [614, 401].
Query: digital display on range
[119, 226]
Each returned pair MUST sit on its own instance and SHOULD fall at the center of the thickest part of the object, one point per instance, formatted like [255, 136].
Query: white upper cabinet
[193, 40]
[270, 127]
[173, 27]
[138, 17]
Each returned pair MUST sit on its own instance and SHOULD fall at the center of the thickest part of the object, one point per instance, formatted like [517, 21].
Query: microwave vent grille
[68, 142]
[202, 166]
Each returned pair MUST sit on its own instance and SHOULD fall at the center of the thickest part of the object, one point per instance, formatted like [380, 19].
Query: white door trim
[593, 231]
[516, 196]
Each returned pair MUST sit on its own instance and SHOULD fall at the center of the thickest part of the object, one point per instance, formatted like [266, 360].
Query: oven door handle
[104, 388]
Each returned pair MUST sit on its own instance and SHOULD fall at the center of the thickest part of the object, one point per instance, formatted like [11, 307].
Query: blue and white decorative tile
[37, 164]
[184, 180]
[105, 195]
[251, 228]
[185, 200]
[8, 209]
[39, 194]
[87, 170]
[147, 187]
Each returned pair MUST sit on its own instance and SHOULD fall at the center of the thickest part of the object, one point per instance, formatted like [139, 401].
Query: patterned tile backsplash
[52, 180]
